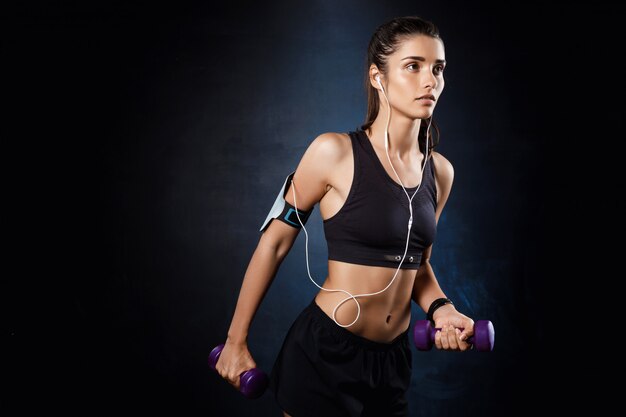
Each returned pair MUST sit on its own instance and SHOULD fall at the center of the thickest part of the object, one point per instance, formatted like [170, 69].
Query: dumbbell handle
[434, 330]
[252, 383]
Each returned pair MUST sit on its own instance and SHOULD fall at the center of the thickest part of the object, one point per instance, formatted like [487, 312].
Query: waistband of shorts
[345, 334]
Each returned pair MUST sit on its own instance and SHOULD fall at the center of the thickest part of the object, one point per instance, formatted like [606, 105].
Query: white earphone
[410, 223]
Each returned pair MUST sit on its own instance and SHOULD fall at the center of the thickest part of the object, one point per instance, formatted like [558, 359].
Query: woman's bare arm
[426, 289]
[259, 275]
[311, 180]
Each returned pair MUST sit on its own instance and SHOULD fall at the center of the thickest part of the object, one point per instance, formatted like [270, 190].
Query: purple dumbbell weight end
[483, 338]
[252, 383]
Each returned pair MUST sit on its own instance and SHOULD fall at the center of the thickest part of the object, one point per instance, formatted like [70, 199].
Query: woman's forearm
[426, 289]
[257, 280]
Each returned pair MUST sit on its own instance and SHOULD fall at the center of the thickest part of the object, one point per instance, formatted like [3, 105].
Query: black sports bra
[371, 226]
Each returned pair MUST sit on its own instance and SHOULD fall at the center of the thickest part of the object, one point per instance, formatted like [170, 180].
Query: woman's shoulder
[331, 145]
[337, 138]
[443, 167]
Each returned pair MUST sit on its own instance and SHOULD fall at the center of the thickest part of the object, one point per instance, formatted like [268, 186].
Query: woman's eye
[439, 69]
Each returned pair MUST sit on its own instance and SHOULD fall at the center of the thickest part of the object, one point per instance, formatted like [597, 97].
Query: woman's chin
[422, 114]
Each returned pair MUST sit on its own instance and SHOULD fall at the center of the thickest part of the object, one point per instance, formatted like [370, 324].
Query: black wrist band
[435, 305]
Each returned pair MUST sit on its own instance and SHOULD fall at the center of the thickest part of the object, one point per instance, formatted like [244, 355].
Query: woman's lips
[426, 101]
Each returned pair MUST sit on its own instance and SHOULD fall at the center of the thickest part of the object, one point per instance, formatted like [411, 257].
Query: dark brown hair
[384, 42]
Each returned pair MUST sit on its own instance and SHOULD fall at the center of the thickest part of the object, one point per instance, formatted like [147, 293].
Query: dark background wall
[146, 143]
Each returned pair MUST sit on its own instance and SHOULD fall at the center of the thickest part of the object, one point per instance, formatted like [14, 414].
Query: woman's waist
[381, 317]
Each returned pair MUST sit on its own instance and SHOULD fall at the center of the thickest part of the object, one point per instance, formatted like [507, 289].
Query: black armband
[285, 212]
[439, 302]
[288, 215]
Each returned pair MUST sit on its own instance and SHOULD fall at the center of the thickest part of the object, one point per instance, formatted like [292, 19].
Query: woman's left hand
[449, 321]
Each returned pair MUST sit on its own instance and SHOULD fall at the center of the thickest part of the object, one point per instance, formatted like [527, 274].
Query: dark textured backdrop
[150, 141]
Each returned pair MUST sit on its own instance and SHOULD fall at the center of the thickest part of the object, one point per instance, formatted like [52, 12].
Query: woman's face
[415, 70]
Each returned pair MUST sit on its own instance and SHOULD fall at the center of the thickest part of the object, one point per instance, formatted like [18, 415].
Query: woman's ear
[376, 79]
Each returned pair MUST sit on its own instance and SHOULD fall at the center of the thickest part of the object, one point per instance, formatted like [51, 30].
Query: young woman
[381, 190]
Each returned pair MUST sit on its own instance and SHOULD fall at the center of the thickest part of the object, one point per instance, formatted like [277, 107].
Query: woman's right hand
[233, 361]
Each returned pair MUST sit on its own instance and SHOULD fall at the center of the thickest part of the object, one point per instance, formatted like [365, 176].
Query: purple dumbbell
[252, 383]
[482, 339]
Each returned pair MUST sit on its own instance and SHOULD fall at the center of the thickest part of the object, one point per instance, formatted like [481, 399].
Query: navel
[388, 318]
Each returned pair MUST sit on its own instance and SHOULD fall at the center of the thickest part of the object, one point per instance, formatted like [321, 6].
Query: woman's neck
[402, 135]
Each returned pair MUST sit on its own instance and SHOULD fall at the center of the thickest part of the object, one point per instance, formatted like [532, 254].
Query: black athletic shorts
[325, 370]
